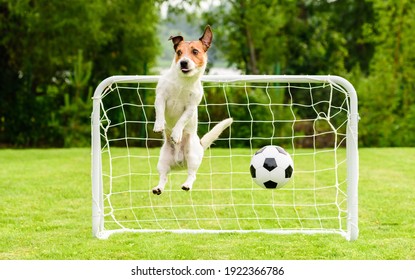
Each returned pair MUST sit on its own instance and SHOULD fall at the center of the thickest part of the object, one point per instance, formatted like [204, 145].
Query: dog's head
[191, 56]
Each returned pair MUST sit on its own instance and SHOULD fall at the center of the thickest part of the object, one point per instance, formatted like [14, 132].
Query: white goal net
[314, 118]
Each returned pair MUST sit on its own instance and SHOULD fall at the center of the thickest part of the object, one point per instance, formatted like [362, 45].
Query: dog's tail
[214, 133]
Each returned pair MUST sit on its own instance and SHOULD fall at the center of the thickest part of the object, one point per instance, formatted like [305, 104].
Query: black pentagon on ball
[270, 184]
[253, 171]
[289, 171]
[270, 164]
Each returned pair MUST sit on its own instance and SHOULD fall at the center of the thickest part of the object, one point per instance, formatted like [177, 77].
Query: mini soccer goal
[314, 118]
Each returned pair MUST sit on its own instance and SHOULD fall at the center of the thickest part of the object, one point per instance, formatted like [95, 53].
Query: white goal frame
[351, 145]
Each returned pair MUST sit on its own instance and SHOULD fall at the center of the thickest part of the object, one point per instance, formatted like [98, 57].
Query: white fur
[178, 95]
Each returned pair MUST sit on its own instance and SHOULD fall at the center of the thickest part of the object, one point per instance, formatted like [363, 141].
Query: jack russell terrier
[178, 94]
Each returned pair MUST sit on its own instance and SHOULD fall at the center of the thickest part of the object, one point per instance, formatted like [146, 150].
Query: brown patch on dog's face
[193, 50]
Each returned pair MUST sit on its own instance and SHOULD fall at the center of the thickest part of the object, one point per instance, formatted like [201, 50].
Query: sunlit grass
[45, 213]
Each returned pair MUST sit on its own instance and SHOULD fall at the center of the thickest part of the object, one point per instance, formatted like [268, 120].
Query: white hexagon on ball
[271, 167]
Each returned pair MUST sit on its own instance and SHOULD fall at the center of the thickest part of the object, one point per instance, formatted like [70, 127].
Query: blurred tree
[279, 36]
[133, 45]
[387, 102]
[249, 33]
[351, 18]
[39, 43]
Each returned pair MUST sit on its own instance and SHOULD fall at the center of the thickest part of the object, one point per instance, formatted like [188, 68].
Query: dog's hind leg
[165, 162]
[194, 155]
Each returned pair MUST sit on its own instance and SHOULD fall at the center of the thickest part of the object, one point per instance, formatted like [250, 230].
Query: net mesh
[309, 120]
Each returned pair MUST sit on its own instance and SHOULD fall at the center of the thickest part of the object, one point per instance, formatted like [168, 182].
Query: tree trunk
[252, 56]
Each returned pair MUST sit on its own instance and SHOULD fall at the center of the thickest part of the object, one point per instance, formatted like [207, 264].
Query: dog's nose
[183, 64]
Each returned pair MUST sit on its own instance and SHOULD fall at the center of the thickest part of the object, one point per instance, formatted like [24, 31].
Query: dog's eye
[179, 53]
[195, 52]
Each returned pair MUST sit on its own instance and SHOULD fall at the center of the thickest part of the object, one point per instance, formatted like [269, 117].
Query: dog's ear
[207, 37]
[176, 40]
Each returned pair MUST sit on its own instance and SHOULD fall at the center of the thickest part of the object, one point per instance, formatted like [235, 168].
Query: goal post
[314, 118]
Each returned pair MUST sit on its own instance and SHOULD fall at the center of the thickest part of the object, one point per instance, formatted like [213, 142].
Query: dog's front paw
[176, 136]
[158, 126]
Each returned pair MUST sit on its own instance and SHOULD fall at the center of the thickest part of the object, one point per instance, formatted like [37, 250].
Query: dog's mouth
[185, 70]
[184, 67]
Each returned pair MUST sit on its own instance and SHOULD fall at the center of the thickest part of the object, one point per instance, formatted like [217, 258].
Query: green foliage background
[54, 53]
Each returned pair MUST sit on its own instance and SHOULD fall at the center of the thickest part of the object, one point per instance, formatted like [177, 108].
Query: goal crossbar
[349, 195]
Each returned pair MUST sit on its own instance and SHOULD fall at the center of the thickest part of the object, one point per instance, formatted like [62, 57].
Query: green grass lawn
[45, 213]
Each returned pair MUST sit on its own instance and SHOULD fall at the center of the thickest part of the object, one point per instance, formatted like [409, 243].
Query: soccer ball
[271, 167]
